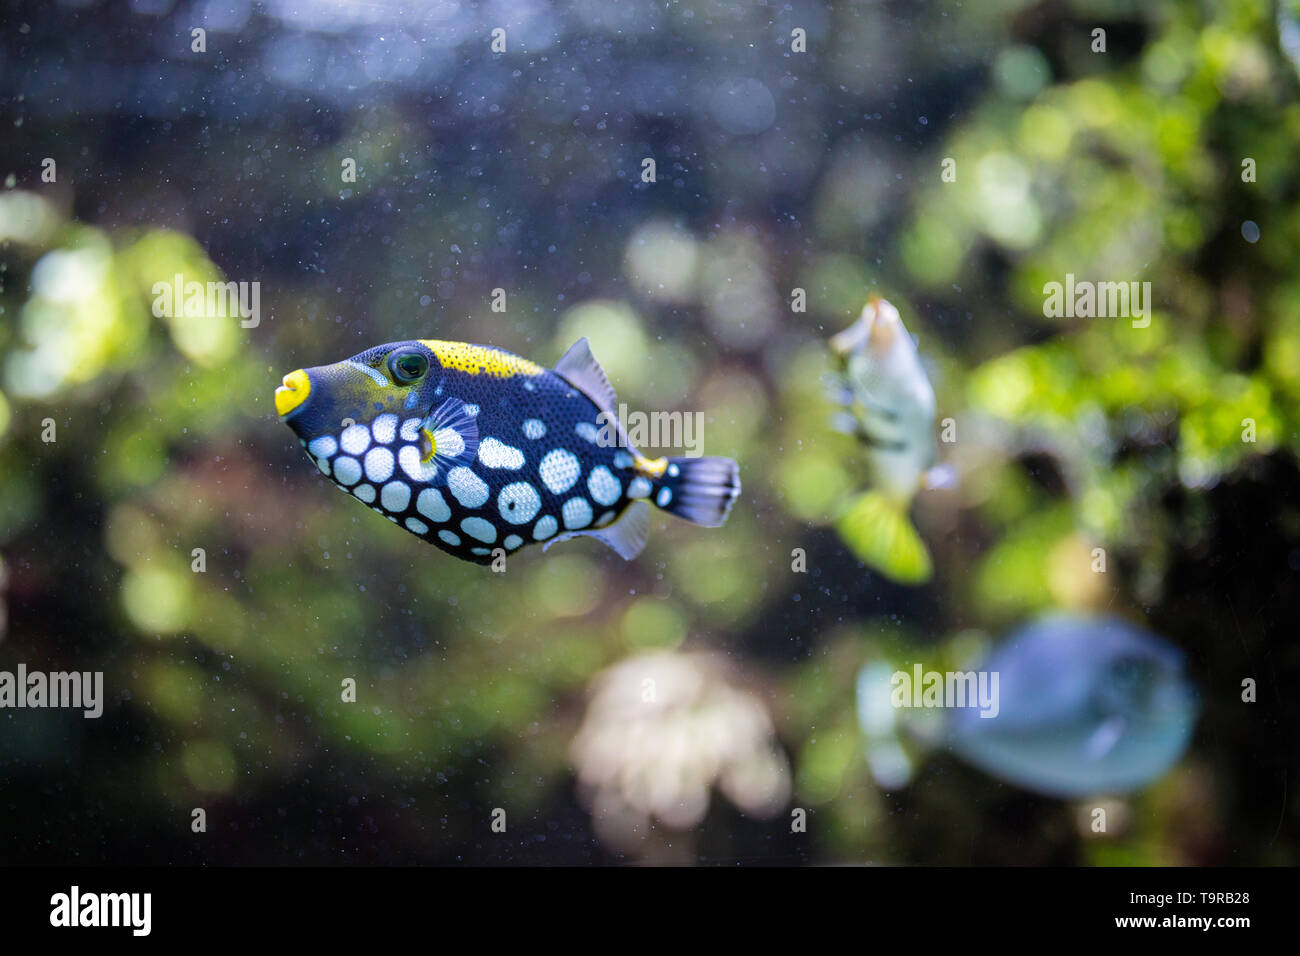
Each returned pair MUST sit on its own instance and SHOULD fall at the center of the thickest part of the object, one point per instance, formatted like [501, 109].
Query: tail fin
[881, 535]
[701, 490]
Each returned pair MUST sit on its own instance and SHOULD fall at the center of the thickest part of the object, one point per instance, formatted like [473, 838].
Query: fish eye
[408, 366]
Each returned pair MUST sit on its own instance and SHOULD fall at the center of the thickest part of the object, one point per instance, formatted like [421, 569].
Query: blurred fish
[891, 411]
[1288, 30]
[472, 448]
[1087, 705]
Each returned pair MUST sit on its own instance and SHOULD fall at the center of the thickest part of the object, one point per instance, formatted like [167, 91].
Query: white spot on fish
[324, 465]
[408, 456]
[497, 454]
[604, 487]
[534, 429]
[512, 541]
[384, 428]
[546, 526]
[471, 410]
[587, 431]
[577, 513]
[416, 525]
[622, 459]
[665, 496]
[395, 496]
[355, 439]
[467, 487]
[411, 430]
[432, 505]
[375, 374]
[450, 538]
[379, 464]
[639, 488]
[365, 492]
[479, 528]
[448, 442]
[519, 502]
[347, 471]
[559, 470]
[323, 447]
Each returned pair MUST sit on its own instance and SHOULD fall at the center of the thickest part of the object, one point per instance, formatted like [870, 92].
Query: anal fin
[627, 535]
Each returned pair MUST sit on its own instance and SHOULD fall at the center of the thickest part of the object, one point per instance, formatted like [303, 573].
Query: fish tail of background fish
[878, 530]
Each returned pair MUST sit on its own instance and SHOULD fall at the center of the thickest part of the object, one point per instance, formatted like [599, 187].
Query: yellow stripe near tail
[881, 534]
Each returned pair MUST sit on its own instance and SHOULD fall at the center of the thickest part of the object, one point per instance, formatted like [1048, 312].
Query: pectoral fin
[881, 535]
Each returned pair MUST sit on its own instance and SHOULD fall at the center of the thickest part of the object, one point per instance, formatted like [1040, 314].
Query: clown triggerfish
[474, 449]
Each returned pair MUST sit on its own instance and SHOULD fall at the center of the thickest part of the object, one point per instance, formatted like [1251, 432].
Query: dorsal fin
[580, 369]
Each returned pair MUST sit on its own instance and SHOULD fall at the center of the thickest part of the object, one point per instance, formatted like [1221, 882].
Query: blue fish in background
[1086, 705]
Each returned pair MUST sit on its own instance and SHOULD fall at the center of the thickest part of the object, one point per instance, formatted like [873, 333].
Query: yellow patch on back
[651, 468]
[480, 360]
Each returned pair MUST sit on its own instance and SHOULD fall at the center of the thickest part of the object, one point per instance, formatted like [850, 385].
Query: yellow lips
[293, 392]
